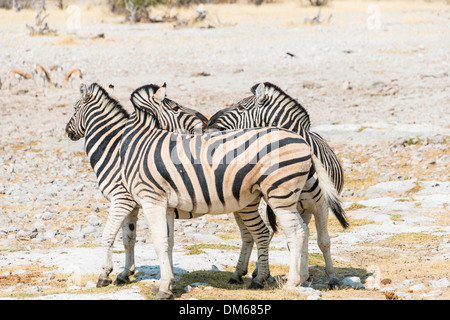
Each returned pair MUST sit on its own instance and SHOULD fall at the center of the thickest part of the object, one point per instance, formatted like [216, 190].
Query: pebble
[403, 295]
[19, 272]
[33, 289]
[311, 293]
[431, 294]
[354, 282]
[441, 283]
[417, 287]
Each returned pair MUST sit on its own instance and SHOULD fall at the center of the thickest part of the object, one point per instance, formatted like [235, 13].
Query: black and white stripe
[101, 120]
[271, 107]
[171, 174]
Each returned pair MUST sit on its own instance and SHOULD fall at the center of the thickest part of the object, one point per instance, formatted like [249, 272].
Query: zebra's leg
[261, 235]
[296, 232]
[262, 209]
[129, 240]
[161, 224]
[323, 240]
[171, 232]
[246, 250]
[120, 209]
[306, 215]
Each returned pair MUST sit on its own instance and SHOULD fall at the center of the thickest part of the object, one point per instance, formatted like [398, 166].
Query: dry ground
[345, 71]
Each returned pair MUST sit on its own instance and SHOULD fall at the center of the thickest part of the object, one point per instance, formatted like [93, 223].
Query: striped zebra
[101, 120]
[271, 107]
[177, 175]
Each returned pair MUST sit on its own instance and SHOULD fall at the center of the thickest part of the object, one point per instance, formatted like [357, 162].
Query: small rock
[33, 289]
[70, 288]
[372, 283]
[441, 283]
[404, 295]
[215, 268]
[386, 281]
[346, 85]
[48, 215]
[387, 289]
[431, 294]
[213, 225]
[407, 282]
[190, 231]
[310, 292]
[20, 272]
[354, 282]
[417, 287]
[90, 285]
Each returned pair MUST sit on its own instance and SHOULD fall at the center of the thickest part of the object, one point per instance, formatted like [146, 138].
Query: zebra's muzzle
[72, 135]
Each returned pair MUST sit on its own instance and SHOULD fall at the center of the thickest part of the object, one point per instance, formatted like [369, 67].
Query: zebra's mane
[142, 95]
[140, 98]
[271, 89]
[102, 94]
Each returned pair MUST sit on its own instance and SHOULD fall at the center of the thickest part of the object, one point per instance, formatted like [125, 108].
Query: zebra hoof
[120, 281]
[236, 281]
[103, 282]
[255, 286]
[164, 295]
[334, 284]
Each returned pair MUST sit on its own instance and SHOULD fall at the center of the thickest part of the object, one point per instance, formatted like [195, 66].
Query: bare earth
[378, 92]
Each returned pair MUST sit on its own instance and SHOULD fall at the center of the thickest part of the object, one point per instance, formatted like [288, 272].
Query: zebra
[174, 175]
[101, 120]
[270, 106]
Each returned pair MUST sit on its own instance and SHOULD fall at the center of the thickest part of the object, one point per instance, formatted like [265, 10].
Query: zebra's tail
[332, 197]
[272, 219]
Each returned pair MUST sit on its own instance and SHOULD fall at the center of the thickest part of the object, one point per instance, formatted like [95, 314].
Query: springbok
[17, 75]
[40, 72]
[71, 75]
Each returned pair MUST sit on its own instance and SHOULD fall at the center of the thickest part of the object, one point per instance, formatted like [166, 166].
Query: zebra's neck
[104, 127]
[284, 110]
[145, 119]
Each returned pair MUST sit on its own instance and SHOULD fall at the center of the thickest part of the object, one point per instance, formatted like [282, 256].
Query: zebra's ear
[260, 92]
[84, 92]
[160, 94]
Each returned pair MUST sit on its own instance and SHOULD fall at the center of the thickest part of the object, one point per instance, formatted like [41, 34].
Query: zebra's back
[213, 173]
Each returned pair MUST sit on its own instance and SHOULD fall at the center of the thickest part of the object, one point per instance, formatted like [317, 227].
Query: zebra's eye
[175, 108]
[240, 107]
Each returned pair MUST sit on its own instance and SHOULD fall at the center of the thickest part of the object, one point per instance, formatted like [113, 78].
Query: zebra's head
[170, 115]
[268, 107]
[243, 114]
[76, 126]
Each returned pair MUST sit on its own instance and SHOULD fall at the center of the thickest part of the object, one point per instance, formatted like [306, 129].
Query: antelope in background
[71, 75]
[40, 72]
[17, 75]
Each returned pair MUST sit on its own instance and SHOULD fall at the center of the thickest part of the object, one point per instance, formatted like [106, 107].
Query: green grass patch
[396, 217]
[355, 206]
[364, 128]
[417, 187]
[412, 238]
[198, 248]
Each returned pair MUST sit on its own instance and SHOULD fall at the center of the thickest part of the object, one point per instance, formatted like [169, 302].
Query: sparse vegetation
[396, 217]
[412, 238]
[198, 248]
[356, 206]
